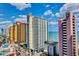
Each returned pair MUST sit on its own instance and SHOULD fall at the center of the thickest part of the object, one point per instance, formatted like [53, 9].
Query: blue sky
[12, 12]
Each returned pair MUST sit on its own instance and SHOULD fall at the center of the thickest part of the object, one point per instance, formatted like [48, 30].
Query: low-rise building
[52, 49]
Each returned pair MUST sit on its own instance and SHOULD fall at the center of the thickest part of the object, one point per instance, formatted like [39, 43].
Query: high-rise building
[38, 32]
[52, 48]
[68, 36]
[17, 33]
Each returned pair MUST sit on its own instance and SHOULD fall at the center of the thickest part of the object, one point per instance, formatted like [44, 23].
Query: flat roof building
[68, 36]
[38, 32]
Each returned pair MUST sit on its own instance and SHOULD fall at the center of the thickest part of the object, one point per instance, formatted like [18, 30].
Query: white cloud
[70, 7]
[21, 6]
[47, 5]
[6, 25]
[52, 25]
[5, 22]
[23, 18]
[11, 24]
[48, 12]
[57, 15]
[52, 22]
[73, 7]
[13, 17]
[52, 15]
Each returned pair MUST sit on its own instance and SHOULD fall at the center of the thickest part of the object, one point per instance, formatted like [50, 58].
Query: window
[64, 37]
[64, 53]
[73, 32]
[74, 50]
[73, 35]
[64, 46]
[73, 24]
[73, 38]
[73, 44]
[73, 29]
[65, 50]
[64, 40]
[64, 22]
[74, 47]
[73, 19]
[64, 33]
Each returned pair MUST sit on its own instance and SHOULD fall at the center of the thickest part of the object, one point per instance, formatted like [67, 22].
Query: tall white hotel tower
[68, 36]
[38, 32]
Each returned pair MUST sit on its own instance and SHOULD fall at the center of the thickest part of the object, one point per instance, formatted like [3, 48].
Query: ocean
[54, 36]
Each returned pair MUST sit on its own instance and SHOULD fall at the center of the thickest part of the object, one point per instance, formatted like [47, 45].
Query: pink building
[68, 36]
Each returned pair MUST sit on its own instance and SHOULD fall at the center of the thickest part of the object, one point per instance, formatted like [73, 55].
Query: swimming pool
[5, 45]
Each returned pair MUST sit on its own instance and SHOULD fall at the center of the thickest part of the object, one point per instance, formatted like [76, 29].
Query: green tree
[4, 40]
